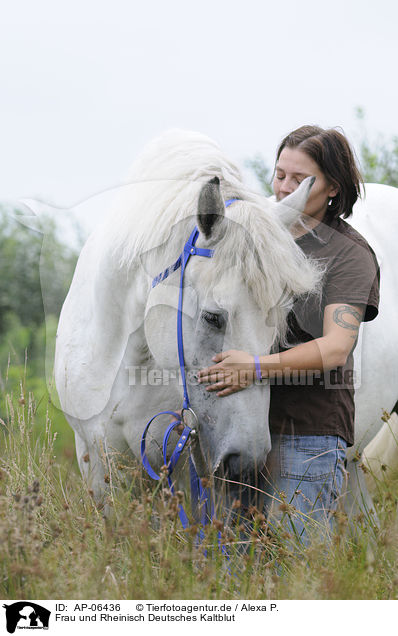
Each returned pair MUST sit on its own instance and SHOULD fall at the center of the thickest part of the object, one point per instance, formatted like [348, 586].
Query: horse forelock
[162, 189]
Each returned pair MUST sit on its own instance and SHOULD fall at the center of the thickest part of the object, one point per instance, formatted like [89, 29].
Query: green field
[55, 543]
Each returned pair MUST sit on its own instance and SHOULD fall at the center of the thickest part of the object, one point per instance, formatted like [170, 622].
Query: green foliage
[35, 273]
[36, 269]
[378, 157]
[262, 172]
[31, 269]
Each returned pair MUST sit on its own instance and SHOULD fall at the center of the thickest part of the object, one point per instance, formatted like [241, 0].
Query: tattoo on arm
[338, 317]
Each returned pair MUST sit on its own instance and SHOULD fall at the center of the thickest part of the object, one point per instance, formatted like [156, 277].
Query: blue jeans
[304, 478]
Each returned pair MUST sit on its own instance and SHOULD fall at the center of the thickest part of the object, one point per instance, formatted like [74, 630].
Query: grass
[55, 543]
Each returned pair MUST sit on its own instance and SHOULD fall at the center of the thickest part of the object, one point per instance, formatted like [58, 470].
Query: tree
[378, 158]
[23, 267]
[262, 172]
[30, 270]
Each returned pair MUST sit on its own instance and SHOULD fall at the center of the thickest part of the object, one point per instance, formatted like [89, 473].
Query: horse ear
[294, 204]
[210, 207]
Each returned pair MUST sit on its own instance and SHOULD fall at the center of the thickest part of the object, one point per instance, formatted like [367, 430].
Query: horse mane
[157, 209]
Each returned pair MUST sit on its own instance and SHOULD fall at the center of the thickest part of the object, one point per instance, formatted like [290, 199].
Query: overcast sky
[85, 84]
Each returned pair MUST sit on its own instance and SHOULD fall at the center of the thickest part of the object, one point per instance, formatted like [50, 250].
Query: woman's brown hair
[334, 156]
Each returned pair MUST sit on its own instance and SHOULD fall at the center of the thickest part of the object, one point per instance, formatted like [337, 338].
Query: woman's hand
[234, 371]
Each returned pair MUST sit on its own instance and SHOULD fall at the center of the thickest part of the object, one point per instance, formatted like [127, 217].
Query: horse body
[117, 334]
[376, 218]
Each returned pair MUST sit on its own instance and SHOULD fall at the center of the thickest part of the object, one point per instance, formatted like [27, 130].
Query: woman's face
[292, 167]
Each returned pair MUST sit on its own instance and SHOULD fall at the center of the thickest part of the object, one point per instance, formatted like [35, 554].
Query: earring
[330, 201]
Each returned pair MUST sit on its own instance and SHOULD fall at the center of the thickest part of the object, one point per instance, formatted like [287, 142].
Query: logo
[26, 615]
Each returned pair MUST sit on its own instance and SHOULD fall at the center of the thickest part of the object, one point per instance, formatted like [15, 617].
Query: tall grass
[55, 543]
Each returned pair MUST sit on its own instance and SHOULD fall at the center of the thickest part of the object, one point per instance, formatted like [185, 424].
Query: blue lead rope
[197, 492]
[189, 250]
[200, 496]
[173, 459]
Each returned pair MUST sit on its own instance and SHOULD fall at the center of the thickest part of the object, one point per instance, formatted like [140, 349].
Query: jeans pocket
[308, 458]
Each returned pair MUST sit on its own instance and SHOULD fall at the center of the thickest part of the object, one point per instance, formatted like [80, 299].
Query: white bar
[307, 618]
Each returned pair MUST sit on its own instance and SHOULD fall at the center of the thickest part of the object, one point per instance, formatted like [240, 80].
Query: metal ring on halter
[196, 421]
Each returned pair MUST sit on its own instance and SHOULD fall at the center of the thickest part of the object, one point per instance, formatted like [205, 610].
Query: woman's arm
[235, 370]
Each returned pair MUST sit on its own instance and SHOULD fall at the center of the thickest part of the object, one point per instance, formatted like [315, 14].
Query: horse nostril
[233, 466]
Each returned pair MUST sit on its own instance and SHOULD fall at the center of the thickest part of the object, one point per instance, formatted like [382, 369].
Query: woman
[312, 392]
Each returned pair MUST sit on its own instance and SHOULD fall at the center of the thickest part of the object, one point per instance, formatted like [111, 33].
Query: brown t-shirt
[323, 403]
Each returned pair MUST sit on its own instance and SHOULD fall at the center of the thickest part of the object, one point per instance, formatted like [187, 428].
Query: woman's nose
[287, 186]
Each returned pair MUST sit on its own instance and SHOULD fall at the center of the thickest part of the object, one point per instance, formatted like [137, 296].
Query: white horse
[375, 357]
[376, 218]
[116, 350]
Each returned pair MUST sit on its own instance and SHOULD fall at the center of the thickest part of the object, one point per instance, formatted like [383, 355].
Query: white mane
[158, 207]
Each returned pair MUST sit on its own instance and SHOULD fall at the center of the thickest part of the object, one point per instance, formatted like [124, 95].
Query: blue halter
[199, 495]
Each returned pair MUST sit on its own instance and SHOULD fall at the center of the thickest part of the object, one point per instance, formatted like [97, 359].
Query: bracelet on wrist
[258, 368]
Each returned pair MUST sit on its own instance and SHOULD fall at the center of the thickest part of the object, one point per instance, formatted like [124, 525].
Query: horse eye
[215, 320]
